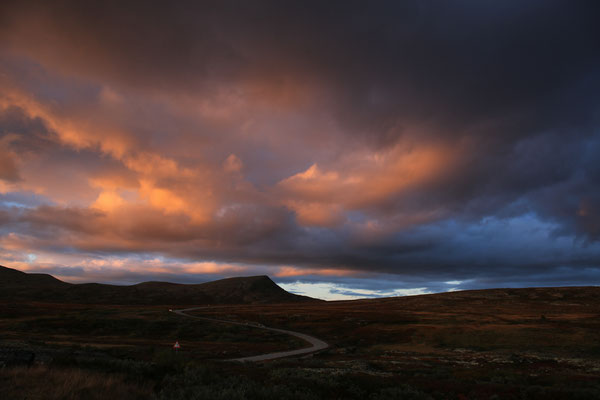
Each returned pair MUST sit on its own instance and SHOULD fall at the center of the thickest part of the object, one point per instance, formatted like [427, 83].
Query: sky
[344, 148]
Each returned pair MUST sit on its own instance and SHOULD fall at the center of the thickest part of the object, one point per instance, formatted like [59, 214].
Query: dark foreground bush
[68, 384]
[403, 392]
[202, 383]
[213, 383]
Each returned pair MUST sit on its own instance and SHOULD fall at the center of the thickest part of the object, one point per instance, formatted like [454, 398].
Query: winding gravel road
[315, 344]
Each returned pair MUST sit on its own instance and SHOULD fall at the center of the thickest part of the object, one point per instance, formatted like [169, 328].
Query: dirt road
[315, 344]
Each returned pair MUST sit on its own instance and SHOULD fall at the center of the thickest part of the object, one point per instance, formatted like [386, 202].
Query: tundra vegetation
[538, 343]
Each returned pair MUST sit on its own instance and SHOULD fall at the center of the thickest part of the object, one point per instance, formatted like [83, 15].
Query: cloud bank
[414, 142]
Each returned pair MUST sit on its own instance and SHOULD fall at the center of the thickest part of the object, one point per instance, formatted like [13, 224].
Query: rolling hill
[17, 285]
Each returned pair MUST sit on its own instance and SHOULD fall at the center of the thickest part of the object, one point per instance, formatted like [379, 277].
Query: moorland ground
[504, 343]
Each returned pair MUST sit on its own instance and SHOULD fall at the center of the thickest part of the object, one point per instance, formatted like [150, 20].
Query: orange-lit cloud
[291, 272]
[366, 180]
[202, 142]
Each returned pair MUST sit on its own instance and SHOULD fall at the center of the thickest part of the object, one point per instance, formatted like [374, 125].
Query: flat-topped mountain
[11, 277]
[17, 285]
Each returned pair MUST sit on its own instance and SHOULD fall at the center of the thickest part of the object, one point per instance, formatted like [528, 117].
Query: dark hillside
[252, 289]
[17, 285]
[9, 276]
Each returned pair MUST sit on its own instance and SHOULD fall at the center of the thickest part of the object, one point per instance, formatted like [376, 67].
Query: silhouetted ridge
[9, 276]
[242, 290]
[252, 289]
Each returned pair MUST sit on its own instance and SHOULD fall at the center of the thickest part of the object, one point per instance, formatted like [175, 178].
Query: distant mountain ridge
[17, 285]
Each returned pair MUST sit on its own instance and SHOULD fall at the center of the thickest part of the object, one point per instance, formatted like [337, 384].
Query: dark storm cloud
[493, 105]
[385, 61]
[498, 71]
[14, 124]
[25, 134]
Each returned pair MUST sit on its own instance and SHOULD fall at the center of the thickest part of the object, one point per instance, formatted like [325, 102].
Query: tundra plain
[535, 343]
